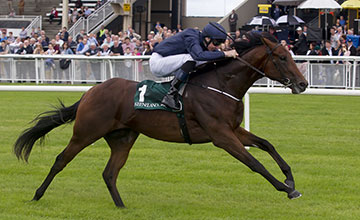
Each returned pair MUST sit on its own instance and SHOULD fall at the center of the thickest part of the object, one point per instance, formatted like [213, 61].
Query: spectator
[38, 49]
[92, 39]
[51, 51]
[74, 15]
[131, 34]
[93, 50]
[81, 34]
[32, 43]
[85, 46]
[101, 34]
[34, 31]
[312, 50]
[342, 21]
[44, 37]
[78, 4]
[66, 49]
[343, 51]
[21, 7]
[128, 52]
[178, 28]
[129, 44]
[10, 4]
[233, 21]
[116, 49]
[237, 35]
[4, 48]
[334, 38]
[277, 12]
[147, 49]
[11, 37]
[72, 44]
[81, 12]
[105, 51]
[157, 27]
[23, 34]
[337, 23]
[21, 49]
[136, 52]
[287, 47]
[327, 50]
[14, 47]
[65, 34]
[43, 43]
[351, 47]
[58, 40]
[12, 13]
[108, 41]
[3, 36]
[97, 5]
[301, 44]
[53, 14]
[339, 32]
[87, 12]
[139, 46]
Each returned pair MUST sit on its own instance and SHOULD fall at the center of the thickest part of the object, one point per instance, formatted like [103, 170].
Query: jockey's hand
[231, 53]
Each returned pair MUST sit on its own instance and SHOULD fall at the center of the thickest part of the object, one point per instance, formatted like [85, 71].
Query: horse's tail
[45, 122]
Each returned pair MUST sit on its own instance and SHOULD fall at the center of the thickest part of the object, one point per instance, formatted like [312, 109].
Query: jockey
[178, 55]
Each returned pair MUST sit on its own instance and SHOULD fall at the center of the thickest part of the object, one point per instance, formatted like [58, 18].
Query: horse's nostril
[303, 85]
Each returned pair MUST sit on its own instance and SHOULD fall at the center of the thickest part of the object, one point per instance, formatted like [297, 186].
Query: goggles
[218, 42]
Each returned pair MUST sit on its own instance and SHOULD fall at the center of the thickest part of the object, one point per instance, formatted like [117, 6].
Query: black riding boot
[171, 99]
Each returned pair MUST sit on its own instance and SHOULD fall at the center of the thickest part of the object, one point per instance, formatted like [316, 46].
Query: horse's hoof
[294, 194]
[290, 184]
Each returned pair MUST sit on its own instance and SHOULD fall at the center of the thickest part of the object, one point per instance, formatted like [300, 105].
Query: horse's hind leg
[72, 149]
[249, 139]
[120, 142]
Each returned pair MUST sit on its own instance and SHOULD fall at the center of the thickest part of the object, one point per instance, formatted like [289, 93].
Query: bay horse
[213, 110]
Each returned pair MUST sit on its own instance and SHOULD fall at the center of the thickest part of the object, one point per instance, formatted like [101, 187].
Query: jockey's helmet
[215, 32]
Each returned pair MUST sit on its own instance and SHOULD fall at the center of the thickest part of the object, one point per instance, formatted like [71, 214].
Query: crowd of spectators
[127, 43]
[75, 13]
[296, 41]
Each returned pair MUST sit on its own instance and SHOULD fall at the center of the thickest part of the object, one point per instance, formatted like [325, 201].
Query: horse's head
[280, 66]
[274, 60]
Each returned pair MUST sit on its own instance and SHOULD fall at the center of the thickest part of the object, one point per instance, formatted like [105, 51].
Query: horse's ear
[266, 42]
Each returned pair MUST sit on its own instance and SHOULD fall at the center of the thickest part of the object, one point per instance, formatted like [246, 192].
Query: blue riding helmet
[215, 32]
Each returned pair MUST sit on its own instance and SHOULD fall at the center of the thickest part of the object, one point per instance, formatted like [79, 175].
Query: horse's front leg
[249, 139]
[227, 139]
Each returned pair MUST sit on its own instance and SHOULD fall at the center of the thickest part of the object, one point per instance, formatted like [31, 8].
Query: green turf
[319, 136]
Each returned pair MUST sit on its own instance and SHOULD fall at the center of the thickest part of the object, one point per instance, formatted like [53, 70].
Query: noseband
[286, 81]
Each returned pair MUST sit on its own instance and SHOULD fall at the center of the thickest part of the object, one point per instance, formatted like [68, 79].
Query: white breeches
[164, 66]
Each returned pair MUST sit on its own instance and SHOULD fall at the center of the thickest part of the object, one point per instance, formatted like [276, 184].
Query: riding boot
[171, 99]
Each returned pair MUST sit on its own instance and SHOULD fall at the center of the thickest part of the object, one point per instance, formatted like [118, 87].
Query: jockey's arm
[198, 53]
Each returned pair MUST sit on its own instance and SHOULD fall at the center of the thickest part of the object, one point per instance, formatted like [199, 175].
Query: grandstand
[34, 8]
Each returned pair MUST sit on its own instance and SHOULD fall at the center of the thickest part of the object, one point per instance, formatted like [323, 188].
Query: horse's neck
[235, 77]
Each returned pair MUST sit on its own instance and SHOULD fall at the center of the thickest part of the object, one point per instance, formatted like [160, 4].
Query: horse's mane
[242, 46]
[252, 40]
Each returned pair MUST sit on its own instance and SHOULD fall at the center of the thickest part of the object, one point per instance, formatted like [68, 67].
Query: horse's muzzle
[299, 87]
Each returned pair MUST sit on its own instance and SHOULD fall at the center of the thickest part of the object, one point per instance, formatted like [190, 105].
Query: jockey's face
[210, 46]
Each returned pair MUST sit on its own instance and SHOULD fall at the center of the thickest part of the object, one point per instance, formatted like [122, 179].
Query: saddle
[148, 96]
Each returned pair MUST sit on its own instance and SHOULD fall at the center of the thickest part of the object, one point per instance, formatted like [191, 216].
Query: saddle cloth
[149, 94]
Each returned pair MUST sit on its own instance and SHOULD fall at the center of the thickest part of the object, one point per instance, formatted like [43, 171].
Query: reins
[269, 51]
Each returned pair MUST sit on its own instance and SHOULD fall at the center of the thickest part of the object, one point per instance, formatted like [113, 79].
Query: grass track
[319, 136]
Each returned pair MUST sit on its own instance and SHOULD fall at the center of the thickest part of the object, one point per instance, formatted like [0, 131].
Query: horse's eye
[282, 58]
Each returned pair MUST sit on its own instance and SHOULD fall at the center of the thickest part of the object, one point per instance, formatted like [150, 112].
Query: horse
[107, 111]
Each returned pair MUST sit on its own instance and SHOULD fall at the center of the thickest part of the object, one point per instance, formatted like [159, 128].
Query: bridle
[286, 81]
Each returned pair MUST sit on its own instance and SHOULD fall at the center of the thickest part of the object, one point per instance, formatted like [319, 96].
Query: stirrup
[172, 102]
